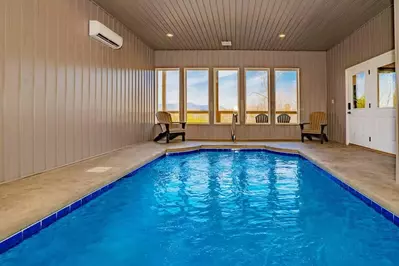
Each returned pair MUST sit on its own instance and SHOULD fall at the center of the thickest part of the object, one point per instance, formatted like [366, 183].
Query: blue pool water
[218, 208]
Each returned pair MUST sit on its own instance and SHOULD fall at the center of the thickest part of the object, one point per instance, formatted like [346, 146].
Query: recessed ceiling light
[226, 43]
[281, 35]
[170, 35]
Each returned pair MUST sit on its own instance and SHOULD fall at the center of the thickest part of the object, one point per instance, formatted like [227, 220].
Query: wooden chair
[165, 122]
[283, 119]
[262, 118]
[315, 128]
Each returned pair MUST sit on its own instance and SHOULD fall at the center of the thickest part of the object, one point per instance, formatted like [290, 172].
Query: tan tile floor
[25, 201]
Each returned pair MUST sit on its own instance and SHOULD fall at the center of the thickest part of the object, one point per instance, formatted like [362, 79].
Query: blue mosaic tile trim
[253, 150]
[35, 228]
[180, 153]
[390, 216]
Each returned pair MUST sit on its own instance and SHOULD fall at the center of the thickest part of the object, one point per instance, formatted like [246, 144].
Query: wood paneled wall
[63, 96]
[373, 38]
[312, 78]
[396, 38]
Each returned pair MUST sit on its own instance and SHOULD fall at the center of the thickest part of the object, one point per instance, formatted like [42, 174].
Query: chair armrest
[183, 123]
[167, 125]
[303, 124]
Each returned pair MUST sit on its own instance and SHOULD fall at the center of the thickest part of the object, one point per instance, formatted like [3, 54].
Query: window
[168, 91]
[359, 96]
[257, 96]
[386, 86]
[226, 94]
[287, 96]
[197, 93]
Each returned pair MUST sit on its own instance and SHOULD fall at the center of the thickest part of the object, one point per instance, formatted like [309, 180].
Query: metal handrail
[234, 121]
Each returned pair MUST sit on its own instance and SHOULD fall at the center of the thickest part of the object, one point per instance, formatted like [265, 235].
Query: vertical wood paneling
[396, 39]
[312, 77]
[86, 68]
[27, 80]
[80, 32]
[51, 88]
[61, 83]
[373, 38]
[3, 18]
[98, 88]
[12, 88]
[70, 84]
[64, 96]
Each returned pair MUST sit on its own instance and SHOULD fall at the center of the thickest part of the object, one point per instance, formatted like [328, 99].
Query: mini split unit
[103, 34]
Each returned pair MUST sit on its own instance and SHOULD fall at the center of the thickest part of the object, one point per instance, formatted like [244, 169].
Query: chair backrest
[283, 118]
[316, 119]
[163, 118]
[262, 118]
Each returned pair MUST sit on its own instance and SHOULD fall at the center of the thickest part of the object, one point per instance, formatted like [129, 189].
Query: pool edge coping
[28, 231]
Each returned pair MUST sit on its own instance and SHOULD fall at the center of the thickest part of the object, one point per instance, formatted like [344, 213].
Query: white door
[371, 95]
[358, 107]
[383, 115]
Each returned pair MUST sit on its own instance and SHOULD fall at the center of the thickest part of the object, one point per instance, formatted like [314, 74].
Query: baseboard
[247, 140]
[373, 150]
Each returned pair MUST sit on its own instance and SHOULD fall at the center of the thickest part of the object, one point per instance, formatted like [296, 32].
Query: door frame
[348, 85]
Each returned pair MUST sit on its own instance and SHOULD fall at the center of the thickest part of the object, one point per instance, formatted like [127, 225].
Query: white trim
[368, 65]
[156, 87]
[214, 92]
[185, 94]
[268, 92]
[298, 91]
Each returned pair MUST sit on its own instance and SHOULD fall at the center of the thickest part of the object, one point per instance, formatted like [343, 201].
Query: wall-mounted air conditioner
[103, 34]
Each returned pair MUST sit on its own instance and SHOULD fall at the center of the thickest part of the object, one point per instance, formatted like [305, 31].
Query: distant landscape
[190, 106]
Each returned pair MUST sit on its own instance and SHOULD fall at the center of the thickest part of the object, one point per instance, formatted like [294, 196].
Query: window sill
[224, 124]
[291, 124]
[257, 124]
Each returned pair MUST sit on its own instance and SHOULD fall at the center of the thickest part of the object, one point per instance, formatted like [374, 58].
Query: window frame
[216, 94]
[354, 90]
[269, 112]
[298, 95]
[185, 95]
[164, 94]
[378, 91]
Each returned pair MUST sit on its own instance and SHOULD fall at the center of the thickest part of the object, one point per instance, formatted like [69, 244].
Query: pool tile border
[390, 216]
[36, 227]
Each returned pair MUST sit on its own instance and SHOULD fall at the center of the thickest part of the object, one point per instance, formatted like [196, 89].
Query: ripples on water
[218, 208]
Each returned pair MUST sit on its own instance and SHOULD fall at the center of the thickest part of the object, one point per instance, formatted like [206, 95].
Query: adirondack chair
[315, 127]
[283, 119]
[262, 118]
[167, 131]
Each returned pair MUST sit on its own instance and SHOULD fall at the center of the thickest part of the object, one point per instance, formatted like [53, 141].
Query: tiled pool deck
[29, 200]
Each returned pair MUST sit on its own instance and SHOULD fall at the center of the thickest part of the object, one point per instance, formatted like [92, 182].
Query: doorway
[371, 103]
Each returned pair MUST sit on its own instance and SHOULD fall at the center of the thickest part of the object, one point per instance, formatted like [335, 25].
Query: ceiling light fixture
[170, 35]
[226, 43]
[281, 35]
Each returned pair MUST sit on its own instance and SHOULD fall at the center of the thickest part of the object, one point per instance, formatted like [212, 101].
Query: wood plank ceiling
[309, 25]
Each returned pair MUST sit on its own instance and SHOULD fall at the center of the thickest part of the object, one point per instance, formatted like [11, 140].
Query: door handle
[349, 113]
